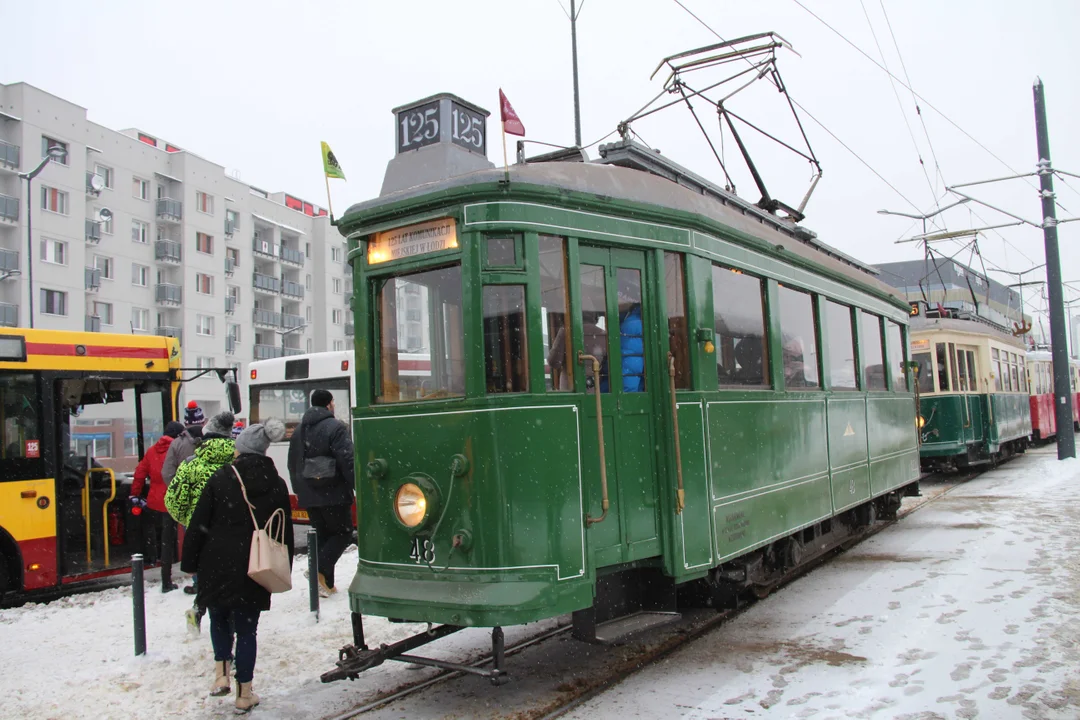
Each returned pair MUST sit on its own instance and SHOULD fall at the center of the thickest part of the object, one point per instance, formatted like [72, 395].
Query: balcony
[230, 345]
[266, 284]
[9, 208]
[291, 321]
[266, 318]
[170, 331]
[263, 248]
[9, 263]
[90, 190]
[92, 323]
[230, 228]
[92, 277]
[168, 294]
[292, 289]
[93, 231]
[288, 352]
[230, 266]
[9, 156]
[350, 329]
[265, 352]
[293, 257]
[9, 315]
[230, 305]
[168, 251]
[169, 210]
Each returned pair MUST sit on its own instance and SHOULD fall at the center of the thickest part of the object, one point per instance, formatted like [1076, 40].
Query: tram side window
[555, 311]
[925, 372]
[799, 331]
[841, 347]
[1015, 374]
[421, 352]
[506, 360]
[896, 351]
[873, 364]
[995, 360]
[678, 332]
[973, 383]
[739, 322]
[942, 368]
[952, 368]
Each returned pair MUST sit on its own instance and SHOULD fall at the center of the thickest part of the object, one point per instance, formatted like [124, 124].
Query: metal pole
[138, 603]
[313, 571]
[30, 248]
[577, 99]
[1066, 442]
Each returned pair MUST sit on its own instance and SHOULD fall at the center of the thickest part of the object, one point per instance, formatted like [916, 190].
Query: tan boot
[325, 590]
[245, 699]
[221, 679]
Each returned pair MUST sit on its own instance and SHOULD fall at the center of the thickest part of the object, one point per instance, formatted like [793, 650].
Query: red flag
[510, 120]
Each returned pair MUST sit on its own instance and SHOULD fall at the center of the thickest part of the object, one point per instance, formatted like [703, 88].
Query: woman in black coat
[217, 547]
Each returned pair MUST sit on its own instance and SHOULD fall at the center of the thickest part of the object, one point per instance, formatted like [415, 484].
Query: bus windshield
[288, 401]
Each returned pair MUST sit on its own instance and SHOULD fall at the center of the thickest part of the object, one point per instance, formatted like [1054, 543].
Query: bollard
[313, 571]
[138, 603]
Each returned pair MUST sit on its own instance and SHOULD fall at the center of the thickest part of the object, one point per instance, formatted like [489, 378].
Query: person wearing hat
[151, 507]
[321, 470]
[217, 547]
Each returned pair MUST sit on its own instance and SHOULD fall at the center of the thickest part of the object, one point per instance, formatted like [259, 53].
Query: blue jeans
[243, 623]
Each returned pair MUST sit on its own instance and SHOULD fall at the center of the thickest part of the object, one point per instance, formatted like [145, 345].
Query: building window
[337, 286]
[310, 345]
[799, 332]
[53, 302]
[106, 174]
[204, 284]
[234, 332]
[232, 219]
[104, 311]
[140, 275]
[105, 265]
[307, 282]
[307, 249]
[234, 293]
[204, 243]
[335, 254]
[204, 362]
[337, 316]
[54, 251]
[339, 344]
[140, 188]
[307, 313]
[54, 200]
[107, 225]
[739, 322]
[47, 143]
[234, 255]
[204, 203]
[140, 319]
[140, 231]
[841, 347]
[204, 325]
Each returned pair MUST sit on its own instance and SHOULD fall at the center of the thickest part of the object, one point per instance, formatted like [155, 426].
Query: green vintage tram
[639, 383]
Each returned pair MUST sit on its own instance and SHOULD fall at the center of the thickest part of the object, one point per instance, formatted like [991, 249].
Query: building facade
[132, 234]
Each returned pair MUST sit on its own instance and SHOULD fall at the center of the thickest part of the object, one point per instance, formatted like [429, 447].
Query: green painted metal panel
[943, 432]
[894, 454]
[750, 522]
[848, 450]
[694, 538]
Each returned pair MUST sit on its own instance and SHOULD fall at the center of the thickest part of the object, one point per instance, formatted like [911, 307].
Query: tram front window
[925, 372]
[421, 336]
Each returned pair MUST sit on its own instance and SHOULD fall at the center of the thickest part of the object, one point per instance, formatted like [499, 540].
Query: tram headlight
[410, 505]
[920, 421]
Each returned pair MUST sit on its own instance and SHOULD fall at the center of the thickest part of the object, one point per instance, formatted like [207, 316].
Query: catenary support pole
[1066, 442]
[313, 571]
[577, 97]
[138, 603]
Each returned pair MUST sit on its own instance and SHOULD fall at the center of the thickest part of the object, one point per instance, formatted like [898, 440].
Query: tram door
[966, 381]
[615, 321]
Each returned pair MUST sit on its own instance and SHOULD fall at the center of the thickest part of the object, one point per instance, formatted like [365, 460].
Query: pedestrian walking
[216, 449]
[217, 546]
[321, 471]
[152, 516]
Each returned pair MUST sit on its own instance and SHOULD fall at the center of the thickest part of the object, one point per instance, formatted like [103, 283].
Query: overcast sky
[255, 86]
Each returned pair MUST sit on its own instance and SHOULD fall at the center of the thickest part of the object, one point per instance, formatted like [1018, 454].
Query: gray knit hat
[256, 438]
[221, 424]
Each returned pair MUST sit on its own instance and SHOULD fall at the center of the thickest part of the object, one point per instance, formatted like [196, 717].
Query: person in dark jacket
[217, 546]
[148, 474]
[328, 502]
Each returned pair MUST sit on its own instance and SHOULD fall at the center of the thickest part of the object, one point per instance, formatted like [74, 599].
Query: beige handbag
[268, 563]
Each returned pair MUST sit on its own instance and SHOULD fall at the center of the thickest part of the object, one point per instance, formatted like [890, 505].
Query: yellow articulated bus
[77, 412]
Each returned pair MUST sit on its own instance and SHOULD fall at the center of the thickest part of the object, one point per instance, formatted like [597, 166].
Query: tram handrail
[605, 504]
[680, 495]
[104, 509]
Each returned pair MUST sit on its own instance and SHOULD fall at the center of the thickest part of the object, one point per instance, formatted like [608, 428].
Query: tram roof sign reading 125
[443, 118]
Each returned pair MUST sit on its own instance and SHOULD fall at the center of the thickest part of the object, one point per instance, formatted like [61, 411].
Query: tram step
[619, 628]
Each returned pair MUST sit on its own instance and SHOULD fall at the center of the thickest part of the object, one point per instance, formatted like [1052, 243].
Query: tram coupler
[353, 661]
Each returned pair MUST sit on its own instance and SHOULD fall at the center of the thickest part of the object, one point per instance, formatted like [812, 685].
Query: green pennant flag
[330, 163]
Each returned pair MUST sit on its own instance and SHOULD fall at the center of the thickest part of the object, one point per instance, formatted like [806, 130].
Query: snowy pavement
[966, 609]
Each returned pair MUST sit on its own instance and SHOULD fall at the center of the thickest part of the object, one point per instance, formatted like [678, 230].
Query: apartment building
[132, 234]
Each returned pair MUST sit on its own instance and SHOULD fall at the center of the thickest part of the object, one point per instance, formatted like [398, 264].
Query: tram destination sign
[419, 239]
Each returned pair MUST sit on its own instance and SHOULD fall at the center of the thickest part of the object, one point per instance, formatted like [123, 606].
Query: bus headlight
[410, 505]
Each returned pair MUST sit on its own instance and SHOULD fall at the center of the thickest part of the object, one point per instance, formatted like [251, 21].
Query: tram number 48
[422, 551]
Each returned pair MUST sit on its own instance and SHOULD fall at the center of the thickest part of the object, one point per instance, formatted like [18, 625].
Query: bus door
[615, 319]
[103, 427]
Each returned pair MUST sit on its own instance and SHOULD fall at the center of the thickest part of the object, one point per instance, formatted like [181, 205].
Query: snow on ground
[969, 608]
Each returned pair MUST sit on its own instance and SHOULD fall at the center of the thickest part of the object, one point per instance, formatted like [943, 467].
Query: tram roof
[635, 185]
[972, 326]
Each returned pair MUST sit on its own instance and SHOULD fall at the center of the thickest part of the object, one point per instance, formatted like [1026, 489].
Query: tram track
[636, 656]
